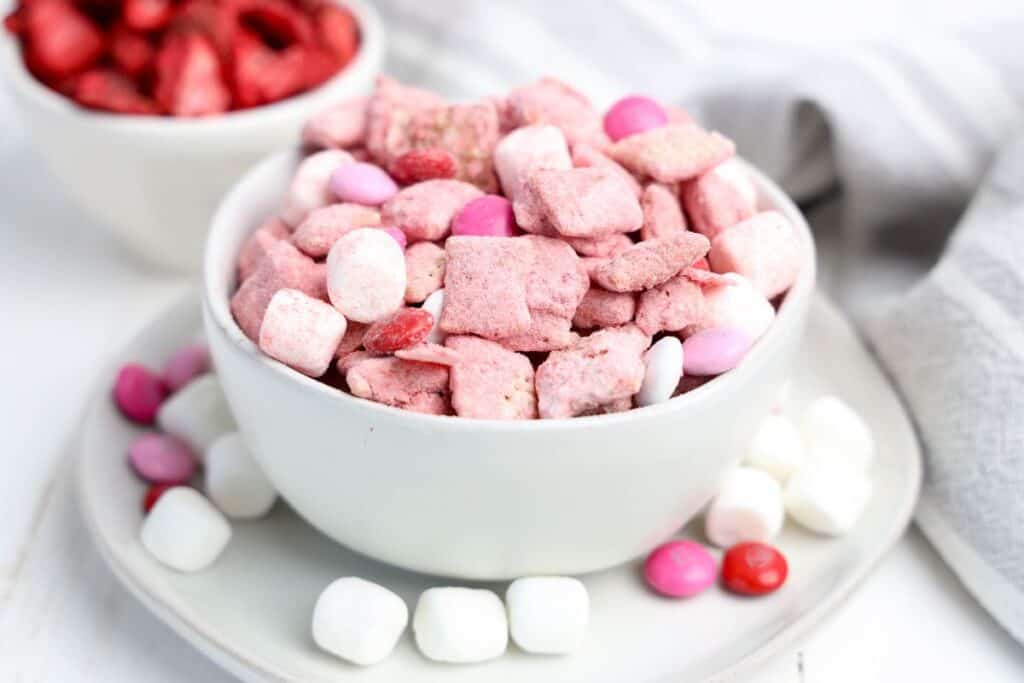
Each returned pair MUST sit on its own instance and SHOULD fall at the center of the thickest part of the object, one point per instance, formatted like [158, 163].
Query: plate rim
[221, 652]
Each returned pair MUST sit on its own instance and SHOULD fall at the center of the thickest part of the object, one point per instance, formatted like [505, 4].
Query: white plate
[250, 612]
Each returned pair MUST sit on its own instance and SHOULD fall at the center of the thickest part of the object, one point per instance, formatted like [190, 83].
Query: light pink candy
[487, 216]
[362, 183]
[161, 459]
[680, 569]
[714, 351]
[186, 364]
[138, 393]
[399, 236]
[632, 115]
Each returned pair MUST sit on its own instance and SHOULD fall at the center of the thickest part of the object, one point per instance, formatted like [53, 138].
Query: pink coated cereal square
[663, 215]
[557, 280]
[419, 387]
[347, 361]
[585, 202]
[670, 307]
[672, 153]
[603, 247]
[600, 369]
[282, 267]
[258, 243]
[519, 154]
[424, 271]
[424, 211]
[301, 332]
[491, 382]
[547, 332]
[650, 263]
[339, 127]
[468, 132]
[714, 202]
[601, 308]
[353, 338]
[765, 249]
[427, 352]
[587, 156]
[389, 113]
[322, 227]
[485, 284]
[553, 102]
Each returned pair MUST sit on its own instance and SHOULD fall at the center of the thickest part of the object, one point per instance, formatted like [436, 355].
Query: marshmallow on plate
[460, 625]
[197, 414]
[748, 507]
[184, 530]
[776, 447]
[235, 482]
[663, 368]
[547, 615]
[358, 620]
[834, 431]
[366, 275]
[828, 497]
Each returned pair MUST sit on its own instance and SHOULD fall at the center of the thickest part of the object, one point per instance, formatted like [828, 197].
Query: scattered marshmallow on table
[748, 507]
[197, 414]
[301, 332]
[358, 620]
[460, 625]
[776, 447]
[366, 275]
[828, 497]
[834, 431]
[547, 614]
[185, 531]
[234, 481]
[663, 367]
[310, 188]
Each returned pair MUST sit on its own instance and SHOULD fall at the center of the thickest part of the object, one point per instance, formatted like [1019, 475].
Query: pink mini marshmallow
[324, 226]
[550, 101]
[186, 364]
[663, 215]
[424, 271]
[339, 127]
[673, 153]
[491, 382]
[738, 304]
[427, 352]
[282, 267]
[605, 367]
[388, 114]
[601, 308]
[487, 216]
[715, 202]
[424, 211]
[366, 275]
[587, 156]
[670, 307]
[585, 202]
[397, 235]
[419, 387]
[362, 183]
[485, 286]
[519, 154]
[765, 249]
[309, 188]
[651, 263]
[603, 247]
[632, 115]
[258, 243]
[468, 132]
[301, 332]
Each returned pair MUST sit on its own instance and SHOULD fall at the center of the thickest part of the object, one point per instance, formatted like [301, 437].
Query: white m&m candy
[358, 621]
[664, 367]
[197, 414]
[748, 507]
[460, 625]
[433, 305]
[828, 497]
[834, 431]
[235, 482]
[776, 447]
[547, 614]
[184, 531]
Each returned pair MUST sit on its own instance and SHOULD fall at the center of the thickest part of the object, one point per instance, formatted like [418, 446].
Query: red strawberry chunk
[147, 15]
[188, 77]
[277, 22]
[60, 40]
[132, 52]
[423, 164]
[404, 328]
[337, 32]
[111, 91]
[262, 75]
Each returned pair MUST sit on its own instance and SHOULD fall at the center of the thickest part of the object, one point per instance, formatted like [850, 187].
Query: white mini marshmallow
[547, 615]
[664, 367]
[235, 482]
[737, 305]
[301, 332]
[732, 172]
[528, 149]
[184, 530]
[366, 275]
[310, 186]
[433, 305]
[358, 620]
[828, 497]
[748, 507]
[776, 447]
[197, 413]
[834, 431]
[460, 625]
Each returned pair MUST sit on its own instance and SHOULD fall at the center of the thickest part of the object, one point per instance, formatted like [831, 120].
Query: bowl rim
[367, 59]
[794, 305]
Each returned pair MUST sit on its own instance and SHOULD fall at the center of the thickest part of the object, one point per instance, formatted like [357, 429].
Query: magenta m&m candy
[138, 393]
[680, 569]
[632, 115]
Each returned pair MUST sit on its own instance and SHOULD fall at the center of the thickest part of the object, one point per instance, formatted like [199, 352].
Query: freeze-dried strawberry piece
[14, 23]
[404, 328]
[60, 40]
[147, 15]
[337, 32]
[278, 22]
[262, 75]
[423, 164]
[111, 91]
[188, 77]
[217, 21]
[132, 52]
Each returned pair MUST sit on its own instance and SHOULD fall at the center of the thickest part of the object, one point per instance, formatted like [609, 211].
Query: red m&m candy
[753, 569]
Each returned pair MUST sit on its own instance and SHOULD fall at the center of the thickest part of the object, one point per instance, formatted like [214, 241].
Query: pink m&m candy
[487, 216]
[680, 569]
[186, 364]
[161, 459]
[714, 351]
[362, 183]
[138, 393]
[632, 115]
[399, 236]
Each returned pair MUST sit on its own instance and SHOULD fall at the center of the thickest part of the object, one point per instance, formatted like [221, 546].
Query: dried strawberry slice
[188, 77]
[60, 40]
[337, 32]
[277, 22]
[217, 21]
[147, 15]
[404, 328]
[110, 91]
[423, 164]
[132, 52]
[261, 75]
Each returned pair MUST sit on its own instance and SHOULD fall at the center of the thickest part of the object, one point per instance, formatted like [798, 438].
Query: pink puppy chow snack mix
[456, 259]
[301, 332]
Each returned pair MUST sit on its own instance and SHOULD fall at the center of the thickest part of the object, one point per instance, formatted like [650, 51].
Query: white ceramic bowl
[155, 181]
[485, 499]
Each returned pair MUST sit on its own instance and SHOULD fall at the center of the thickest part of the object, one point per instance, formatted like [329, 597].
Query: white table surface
[70, 299]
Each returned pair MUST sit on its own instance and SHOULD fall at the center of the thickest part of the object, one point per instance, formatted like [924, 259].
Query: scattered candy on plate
[358, 620]
[752, 568]
[680, 569]
[184, 530]
[547, 615]
[460, 625]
